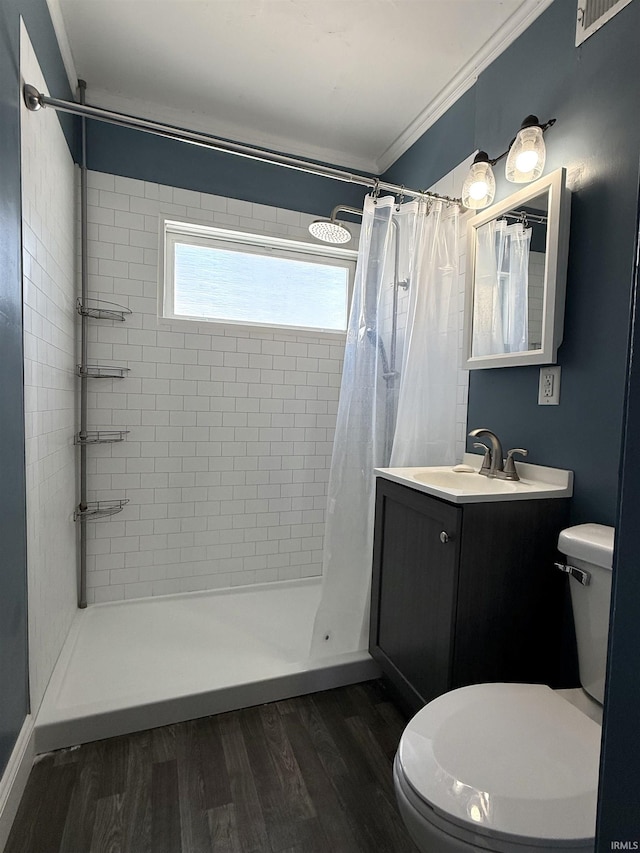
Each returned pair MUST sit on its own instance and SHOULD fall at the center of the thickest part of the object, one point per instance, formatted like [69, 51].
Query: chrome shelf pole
[100, 310]
[84, 400]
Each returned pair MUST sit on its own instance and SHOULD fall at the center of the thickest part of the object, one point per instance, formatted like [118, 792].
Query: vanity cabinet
[464, 593]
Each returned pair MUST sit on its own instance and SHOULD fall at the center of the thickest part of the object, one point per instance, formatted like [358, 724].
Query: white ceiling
[349, 82]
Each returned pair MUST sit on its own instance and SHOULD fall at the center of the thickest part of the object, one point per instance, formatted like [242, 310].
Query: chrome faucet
[493, 464]
[495, 467]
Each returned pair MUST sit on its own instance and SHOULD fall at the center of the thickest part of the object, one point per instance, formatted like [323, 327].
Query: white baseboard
[14, 779]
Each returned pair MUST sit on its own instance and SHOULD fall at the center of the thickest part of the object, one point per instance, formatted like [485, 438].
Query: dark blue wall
[13, 580]
[13, 615]
[593, 92]
[133, 154]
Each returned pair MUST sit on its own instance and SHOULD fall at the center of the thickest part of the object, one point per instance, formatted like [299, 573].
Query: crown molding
[60, 29]
[463, 80]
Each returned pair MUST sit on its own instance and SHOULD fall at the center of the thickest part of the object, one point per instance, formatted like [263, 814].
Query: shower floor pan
[133, 665]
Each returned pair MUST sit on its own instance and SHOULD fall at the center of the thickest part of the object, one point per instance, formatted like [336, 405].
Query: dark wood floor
[307, 775]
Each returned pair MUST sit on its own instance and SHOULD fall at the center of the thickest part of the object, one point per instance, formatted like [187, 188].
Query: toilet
[513, 768]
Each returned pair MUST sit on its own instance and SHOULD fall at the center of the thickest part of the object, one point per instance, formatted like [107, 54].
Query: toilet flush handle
[578, 574]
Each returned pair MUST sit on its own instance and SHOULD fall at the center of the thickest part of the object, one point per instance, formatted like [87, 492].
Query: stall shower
[203, 589]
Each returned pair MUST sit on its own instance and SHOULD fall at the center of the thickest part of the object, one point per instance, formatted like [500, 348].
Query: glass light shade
[525, 161]
[479, 187]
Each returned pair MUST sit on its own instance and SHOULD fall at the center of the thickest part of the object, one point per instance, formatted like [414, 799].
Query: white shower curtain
[410, 249]
[426, 420]
[501, 296]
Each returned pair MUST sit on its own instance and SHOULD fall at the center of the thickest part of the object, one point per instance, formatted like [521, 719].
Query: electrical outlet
[549, 387]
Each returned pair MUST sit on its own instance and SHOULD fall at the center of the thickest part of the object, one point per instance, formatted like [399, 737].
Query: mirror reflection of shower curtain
[382, 394]
[501, 292]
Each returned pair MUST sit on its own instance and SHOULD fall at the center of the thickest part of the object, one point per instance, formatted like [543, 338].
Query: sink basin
[536, 482]
[465, 482]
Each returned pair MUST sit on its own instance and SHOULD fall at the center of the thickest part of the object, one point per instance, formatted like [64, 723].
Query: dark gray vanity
[465, 592]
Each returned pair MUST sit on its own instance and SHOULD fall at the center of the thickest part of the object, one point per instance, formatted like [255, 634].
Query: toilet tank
[590, 547]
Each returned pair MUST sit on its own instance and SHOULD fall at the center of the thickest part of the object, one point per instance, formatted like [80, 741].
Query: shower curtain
[501, 298]
[397, 397]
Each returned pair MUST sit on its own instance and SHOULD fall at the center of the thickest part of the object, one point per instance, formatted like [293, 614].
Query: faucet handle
[486, 462]
[510, 472]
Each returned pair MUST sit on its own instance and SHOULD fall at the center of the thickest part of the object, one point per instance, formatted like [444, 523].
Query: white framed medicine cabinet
[516, 277]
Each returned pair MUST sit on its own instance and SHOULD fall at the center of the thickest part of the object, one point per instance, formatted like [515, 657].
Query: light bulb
[525, 161]
[478, 190]
[479, 187]
[475, 813]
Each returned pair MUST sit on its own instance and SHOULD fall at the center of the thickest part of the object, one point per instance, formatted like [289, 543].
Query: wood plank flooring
[307, 775]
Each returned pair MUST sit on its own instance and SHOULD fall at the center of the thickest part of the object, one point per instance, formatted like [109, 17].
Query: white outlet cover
[549, 386]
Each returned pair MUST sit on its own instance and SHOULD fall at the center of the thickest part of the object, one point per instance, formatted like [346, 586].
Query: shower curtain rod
[34, 99]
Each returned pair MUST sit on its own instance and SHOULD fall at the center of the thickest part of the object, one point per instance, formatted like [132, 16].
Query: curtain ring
[401, 199]
[375, 191]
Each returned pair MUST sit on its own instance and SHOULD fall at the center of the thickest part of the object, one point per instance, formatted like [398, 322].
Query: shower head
[330, 231]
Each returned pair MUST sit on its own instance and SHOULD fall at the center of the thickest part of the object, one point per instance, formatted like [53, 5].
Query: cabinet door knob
[444, 537]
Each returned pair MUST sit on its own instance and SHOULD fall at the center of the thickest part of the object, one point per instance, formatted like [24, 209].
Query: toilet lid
[513, 759]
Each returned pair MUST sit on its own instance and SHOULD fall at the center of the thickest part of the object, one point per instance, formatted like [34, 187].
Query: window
[221, 276]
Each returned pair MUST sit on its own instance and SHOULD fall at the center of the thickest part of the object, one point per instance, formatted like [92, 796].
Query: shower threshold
[138, 664]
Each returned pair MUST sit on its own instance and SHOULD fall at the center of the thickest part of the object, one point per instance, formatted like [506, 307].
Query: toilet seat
[512, 763]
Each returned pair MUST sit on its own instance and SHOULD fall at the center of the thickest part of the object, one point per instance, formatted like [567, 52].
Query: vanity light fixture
[525, 161]
[527, 152]
[479, 187]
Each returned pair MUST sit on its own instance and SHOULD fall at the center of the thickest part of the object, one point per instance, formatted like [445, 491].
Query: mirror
[516, 277]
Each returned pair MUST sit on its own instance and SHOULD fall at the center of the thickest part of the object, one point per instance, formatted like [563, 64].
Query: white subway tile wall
[536, 298]
[48, 257]
[227, 460]
[231, 429]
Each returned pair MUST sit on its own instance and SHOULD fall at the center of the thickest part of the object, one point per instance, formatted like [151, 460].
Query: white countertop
[460, 487]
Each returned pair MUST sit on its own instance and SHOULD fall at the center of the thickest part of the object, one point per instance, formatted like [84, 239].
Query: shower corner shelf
[101, 436]
[101, 371]
[100, 309]
[99, 509]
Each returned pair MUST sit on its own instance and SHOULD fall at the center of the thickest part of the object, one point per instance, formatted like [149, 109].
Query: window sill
[242, 330]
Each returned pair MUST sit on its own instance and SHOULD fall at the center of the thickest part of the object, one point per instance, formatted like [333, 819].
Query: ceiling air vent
[593, 14]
